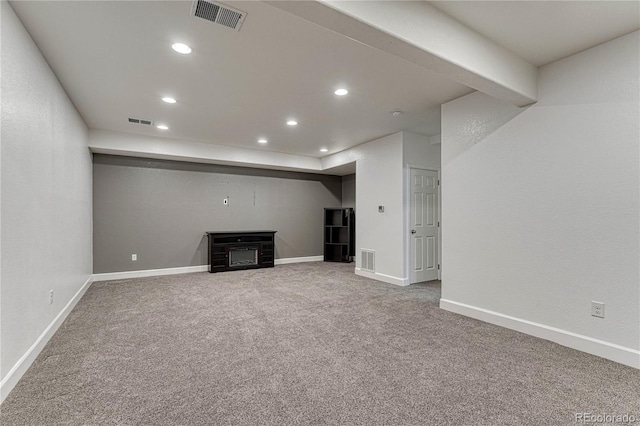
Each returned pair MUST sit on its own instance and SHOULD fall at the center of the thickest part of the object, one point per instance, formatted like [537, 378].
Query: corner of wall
[526, 245]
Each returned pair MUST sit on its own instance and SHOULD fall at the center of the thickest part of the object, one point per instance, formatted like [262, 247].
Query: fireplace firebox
[243, 256]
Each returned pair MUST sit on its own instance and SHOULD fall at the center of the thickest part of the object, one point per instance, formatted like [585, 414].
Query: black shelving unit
[339, 234]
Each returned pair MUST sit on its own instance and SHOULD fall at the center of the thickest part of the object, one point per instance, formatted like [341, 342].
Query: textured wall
[541, 204]
[349, 191]
[46, 194]
[160, 210]
[379, 182]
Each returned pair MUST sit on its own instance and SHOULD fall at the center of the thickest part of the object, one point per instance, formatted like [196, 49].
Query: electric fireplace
[231, 250]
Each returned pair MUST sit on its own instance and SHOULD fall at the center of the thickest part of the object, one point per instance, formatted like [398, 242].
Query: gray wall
[160, 210]
[349, 191]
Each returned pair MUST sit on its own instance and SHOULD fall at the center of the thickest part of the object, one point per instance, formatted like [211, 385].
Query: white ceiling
[544, 31]
[114, 60]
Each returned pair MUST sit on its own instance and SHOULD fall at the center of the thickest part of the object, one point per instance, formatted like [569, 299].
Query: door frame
[407, 218]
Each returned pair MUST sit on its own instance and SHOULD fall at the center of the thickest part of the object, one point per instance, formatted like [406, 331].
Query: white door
[424, 225]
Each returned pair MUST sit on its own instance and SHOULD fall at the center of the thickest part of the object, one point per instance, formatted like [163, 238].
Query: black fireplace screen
[239, 256]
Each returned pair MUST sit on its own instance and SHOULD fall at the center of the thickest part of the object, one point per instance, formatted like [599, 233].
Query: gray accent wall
[160, 210]
[349, 191]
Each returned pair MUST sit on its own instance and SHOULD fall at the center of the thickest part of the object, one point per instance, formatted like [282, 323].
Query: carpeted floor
[301, 344]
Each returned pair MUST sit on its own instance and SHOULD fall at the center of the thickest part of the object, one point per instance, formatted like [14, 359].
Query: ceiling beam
[420, 33]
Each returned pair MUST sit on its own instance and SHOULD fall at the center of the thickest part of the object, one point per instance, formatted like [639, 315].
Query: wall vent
[140, 121]
[368, 260]
[218, 13]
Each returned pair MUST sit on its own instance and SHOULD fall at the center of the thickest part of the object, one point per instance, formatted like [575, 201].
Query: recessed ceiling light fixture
[181, 48]
[162, 127]
[292, 123]
[396, 113]
[262, 140]
[341, 92]
[324, 150]
[169, 100]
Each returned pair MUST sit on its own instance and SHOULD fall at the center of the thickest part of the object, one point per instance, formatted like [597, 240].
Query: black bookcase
[339, 234]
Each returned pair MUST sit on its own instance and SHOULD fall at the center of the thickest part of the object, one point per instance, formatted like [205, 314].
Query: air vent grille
[368, 260]
[218, 13]
[229, 18]
[140, 121]
[206, 10]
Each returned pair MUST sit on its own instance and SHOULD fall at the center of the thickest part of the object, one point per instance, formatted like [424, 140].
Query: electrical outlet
[51, 297]
[597, 309]
[134, 257]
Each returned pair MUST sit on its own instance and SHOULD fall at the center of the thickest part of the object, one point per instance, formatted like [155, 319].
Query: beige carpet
[301, 344]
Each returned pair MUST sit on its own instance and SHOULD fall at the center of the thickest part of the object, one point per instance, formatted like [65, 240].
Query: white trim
[299, 260]
[186, 269]
[611, 351]
[149, 273]
[23, 364]
[382, 277]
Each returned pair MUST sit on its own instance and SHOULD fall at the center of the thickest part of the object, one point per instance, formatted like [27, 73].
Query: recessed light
[324, 150]
[292, 123]
[396, 113]
[341, 92]
[262, 140]
[169, 100]
[162, 127]
[181, 48]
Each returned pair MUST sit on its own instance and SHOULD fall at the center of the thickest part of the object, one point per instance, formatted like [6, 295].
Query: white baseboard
[611, 351]
[149, 273]
[23, 364]
[383, 277]
[186, 269]
[299, 260]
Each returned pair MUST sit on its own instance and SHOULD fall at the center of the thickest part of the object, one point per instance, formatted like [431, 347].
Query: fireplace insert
[243, 256]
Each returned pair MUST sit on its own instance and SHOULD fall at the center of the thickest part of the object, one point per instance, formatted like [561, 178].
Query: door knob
[413, 231]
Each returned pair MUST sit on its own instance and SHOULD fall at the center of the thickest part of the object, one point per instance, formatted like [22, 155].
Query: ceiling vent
[140, 121]
[218, 13]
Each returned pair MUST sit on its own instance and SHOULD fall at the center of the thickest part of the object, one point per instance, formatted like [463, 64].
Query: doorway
[424, 225]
